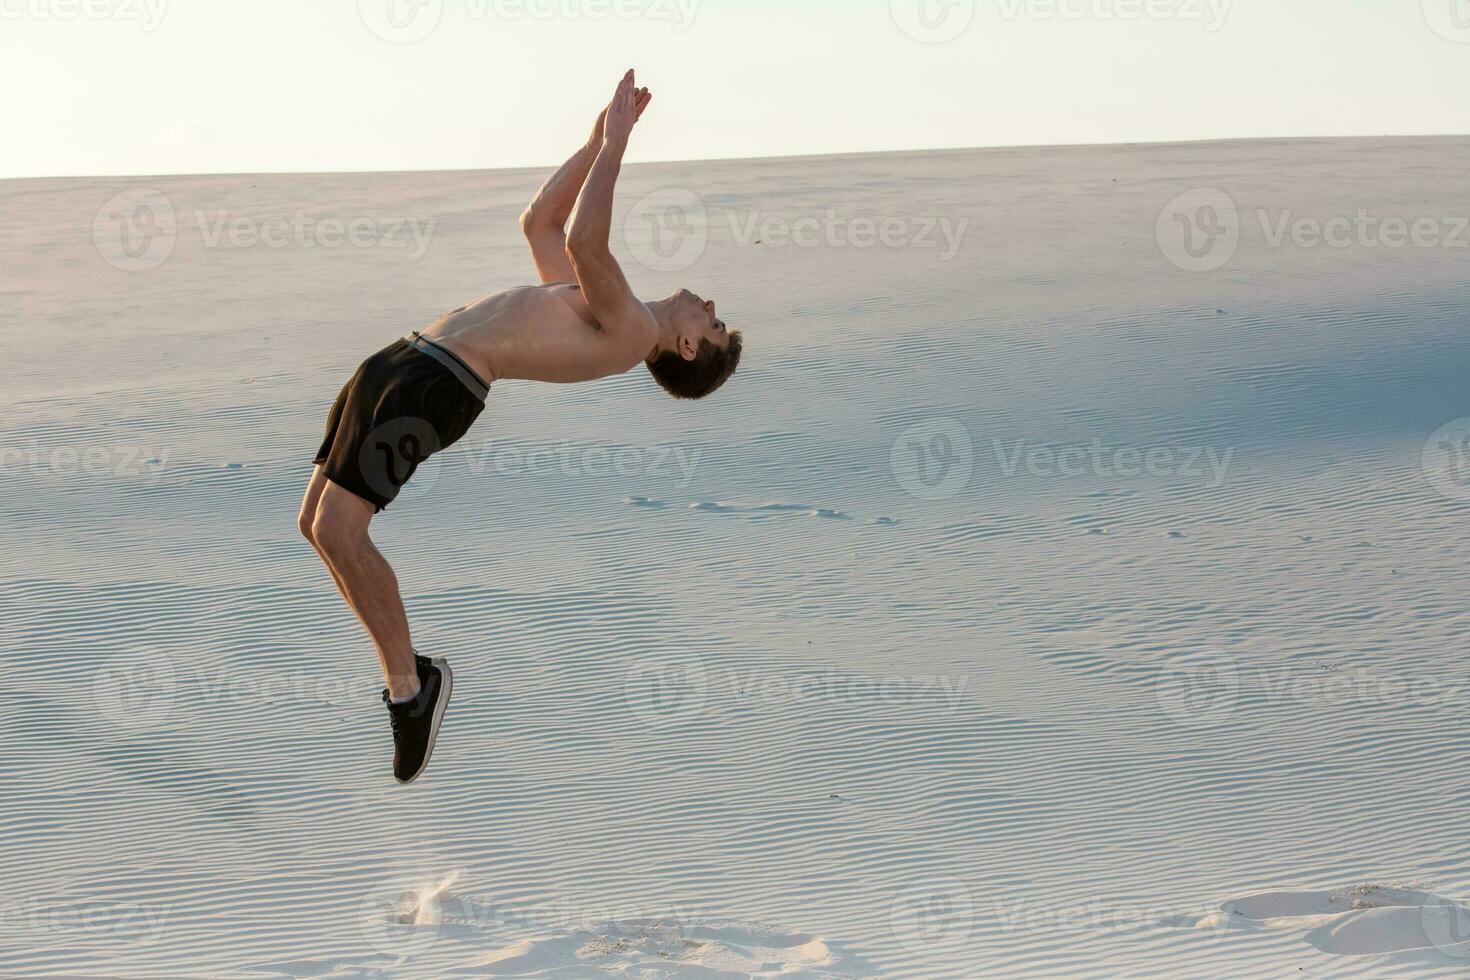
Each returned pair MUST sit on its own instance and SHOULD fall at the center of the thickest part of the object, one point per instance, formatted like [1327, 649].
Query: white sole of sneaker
[446, 678]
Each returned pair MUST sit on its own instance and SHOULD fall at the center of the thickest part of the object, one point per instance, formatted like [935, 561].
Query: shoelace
[394, 718]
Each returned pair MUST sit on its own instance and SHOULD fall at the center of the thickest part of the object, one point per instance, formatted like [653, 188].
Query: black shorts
[407, 402]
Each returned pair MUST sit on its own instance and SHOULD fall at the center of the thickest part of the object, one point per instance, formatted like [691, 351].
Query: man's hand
[599, 132]
[625, 109]
[627, 326]
[544, 221]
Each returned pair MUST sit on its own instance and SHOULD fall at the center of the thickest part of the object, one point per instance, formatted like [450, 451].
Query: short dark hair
[711, 367]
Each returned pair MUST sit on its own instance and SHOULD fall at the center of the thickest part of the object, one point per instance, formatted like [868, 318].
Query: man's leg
[339, 531]
[307, 517]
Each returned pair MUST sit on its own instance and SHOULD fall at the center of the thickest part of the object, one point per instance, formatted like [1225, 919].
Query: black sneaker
[416, 723]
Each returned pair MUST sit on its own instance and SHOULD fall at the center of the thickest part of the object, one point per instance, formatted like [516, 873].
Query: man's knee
[304, 523]
[335, 537]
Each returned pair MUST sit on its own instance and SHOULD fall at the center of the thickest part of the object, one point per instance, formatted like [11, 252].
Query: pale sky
[209, 86]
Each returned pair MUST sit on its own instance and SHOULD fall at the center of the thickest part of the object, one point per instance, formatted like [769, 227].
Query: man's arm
[623, 318]
[544, 220]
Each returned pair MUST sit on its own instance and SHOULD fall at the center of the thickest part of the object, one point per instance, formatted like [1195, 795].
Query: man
[421, 394]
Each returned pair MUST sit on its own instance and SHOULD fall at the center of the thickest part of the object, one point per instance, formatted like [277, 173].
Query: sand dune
[1044, 608]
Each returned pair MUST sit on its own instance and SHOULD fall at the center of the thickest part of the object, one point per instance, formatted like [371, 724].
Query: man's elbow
[535, 222]
[582, 247]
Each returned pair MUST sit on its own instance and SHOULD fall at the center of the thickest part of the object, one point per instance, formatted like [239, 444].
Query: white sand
[751, 707]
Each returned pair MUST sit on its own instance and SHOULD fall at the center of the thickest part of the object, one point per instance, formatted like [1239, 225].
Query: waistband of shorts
[466, 374]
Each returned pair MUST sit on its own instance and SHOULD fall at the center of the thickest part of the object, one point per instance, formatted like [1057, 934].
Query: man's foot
[416, 723]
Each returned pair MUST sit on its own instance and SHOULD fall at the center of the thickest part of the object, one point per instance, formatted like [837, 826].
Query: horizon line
[751, 159]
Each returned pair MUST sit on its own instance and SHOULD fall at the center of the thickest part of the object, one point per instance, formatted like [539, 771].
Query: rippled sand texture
[1041, 609]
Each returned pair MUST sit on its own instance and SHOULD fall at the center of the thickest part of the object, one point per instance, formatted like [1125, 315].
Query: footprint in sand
[666, 948]
[1365, 920]
[646, 502]
[805, 510]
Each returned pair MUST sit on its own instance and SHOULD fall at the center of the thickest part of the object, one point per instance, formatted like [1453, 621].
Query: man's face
[698, 320]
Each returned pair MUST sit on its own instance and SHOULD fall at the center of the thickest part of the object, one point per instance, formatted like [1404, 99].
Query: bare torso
[536, 333]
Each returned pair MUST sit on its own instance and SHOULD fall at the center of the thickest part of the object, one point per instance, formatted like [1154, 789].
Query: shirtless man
[420, 395]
